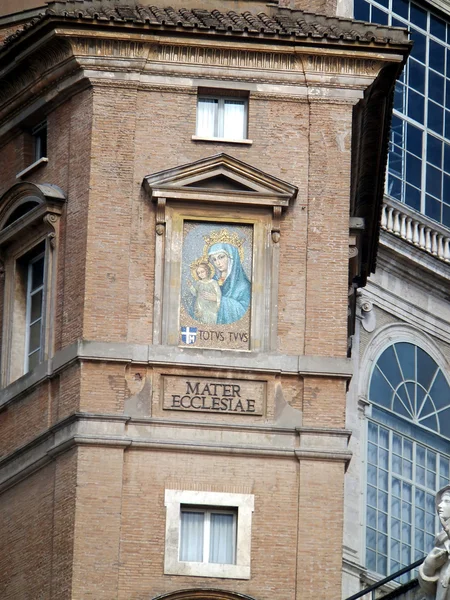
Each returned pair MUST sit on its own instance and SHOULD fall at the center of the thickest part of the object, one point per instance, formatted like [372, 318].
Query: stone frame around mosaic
[197, 192]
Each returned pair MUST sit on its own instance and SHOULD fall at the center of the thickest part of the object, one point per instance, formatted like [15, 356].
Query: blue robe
[236, 289]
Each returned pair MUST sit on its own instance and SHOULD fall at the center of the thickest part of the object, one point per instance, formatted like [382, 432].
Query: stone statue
[434, 572]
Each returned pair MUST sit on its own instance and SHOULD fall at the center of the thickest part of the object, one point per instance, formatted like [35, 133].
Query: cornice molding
[253, 362]
[64, 51]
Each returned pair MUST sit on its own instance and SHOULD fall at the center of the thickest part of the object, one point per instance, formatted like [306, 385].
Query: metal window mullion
[389, 514]
[235, 522]
[413, 500]
[206, 536]
[220, 117]
[28, 315]
[425, 123]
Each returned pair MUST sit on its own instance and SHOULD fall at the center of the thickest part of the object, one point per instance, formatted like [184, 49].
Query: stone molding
[64, 58]
[256, 362]
[390, 334]
[243, 504]
[121, 431]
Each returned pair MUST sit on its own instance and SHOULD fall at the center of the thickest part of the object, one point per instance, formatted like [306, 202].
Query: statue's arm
[429, 570]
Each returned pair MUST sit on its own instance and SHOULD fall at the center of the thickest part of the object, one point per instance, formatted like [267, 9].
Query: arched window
[203, 594]
[408, 456]
[408, 382]
[29, 233]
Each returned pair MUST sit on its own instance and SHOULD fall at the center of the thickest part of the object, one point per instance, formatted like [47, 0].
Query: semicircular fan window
[408, 382]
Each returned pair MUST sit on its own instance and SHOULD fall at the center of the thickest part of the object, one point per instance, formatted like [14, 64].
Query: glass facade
[402, 478]
[419, 151]
[406, 461]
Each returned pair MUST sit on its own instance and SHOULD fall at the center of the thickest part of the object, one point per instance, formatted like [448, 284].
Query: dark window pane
[446, 194]
[416, 73]
[35, 337]
[430, 422]
[447, 123]
[413, 170]
[419, 49]
[435, 117]
[396, 161]
[406, 354]
[399, 408]
[380, 390]
[379, 16]
[440, 392]
[416, 106]
[361, 10]
[394, 187]
[448, 63]
[398, 23]
[432, 208]
[412, 197]
[437, 56]
[434, 181]
[418, 16]
[371, 560]
[387, 363]
[384, 3]
[400, 97]
[426, 368]
[436, 87]
[36, 306]
[447, 157]
[414, 140]
[437, 27]
[400, 7]
[33, 360]
[37, 277]
[434, 151]
[444, 425]
[446, 220]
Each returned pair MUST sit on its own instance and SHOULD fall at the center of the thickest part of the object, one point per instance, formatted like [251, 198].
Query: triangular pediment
[220, 178]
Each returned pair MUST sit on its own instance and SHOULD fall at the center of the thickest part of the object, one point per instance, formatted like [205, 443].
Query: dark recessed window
[39, 134]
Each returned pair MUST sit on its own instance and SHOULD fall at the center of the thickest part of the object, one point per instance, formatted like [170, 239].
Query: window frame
[29, 299]
[22, 239]
[207, 511]
[219, 133]
[241, 504]
[39, 135]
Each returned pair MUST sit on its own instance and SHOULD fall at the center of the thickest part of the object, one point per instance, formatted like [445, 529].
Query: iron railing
[374, 587]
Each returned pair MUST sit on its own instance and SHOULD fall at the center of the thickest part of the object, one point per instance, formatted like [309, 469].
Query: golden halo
[224, 237]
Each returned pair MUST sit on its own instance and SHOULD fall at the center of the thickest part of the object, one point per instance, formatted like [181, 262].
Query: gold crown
[223, 236]
[203, 260]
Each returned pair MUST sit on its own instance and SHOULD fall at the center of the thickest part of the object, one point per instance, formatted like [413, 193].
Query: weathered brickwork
[89, 442]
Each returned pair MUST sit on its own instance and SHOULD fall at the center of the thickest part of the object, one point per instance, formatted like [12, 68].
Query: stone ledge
[263, 362]
[118, 431]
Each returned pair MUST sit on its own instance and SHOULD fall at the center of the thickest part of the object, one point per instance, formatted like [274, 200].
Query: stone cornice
[64, 56]
[263, 362]
[121, 431]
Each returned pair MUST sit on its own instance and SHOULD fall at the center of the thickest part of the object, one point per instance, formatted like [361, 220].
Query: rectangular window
[208, 535]
[34, 312]
[222, 117]
[39, 134]
[402, 478]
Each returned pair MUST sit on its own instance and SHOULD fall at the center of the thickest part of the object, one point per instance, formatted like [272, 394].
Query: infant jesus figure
[206, 291]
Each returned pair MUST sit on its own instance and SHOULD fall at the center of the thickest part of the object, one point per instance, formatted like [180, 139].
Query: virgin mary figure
[233, 281]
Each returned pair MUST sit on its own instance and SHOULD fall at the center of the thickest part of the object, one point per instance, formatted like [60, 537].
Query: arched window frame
[34, 234]
[385, 337]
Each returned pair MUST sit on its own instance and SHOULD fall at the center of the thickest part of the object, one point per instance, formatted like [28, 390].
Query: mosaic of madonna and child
[216, 285]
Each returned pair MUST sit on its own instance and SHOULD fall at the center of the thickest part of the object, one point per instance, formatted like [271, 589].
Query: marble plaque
[216, 285]
[202, 394]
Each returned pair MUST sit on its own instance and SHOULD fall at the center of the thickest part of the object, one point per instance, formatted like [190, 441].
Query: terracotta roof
[283, 23]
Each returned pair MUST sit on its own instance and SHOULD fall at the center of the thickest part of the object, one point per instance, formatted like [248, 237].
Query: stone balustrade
[416, 229]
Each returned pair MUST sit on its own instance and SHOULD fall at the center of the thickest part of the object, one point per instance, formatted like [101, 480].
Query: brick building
[186, 194]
